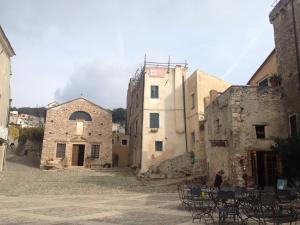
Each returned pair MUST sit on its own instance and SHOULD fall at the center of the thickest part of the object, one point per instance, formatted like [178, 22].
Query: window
[137, 100]
[136, 126]
[158, 146]
[260, 131]
[113, 141]
[293, 126]
[263, 83]
[95, 151]
[154, 91]
[80, 115]
[124, 142]
[154, 120]
[60, 150]
[193, 100]
[193, 138]
[219, 143]
[218, 126]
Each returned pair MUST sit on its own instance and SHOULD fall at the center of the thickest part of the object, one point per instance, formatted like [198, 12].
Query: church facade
[77, 133]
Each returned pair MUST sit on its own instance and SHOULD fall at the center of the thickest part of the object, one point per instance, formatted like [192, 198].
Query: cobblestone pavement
[29, 195]
[32, 196]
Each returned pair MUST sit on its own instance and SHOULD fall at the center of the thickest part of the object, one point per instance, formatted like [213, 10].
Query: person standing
[219, 179]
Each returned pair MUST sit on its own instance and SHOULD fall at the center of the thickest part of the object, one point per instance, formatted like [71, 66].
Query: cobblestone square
[79, 196]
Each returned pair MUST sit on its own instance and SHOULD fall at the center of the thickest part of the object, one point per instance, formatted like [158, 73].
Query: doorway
[265, 167]
[78, 155]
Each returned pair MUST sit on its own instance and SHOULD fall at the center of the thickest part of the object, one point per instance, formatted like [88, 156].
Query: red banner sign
[157, 72]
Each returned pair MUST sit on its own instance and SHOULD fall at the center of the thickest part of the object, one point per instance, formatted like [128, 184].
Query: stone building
[240, 126]
[269, 68]
[77, 133]
[198, 86]
[120, 143]
[6, 52]
[155, 115]
[285, 18]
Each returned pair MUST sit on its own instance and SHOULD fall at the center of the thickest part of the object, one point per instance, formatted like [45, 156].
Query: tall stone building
[240, 126]
[77, 133]
[285, 18]
[198, 87]
[6, 52]
[155, 115]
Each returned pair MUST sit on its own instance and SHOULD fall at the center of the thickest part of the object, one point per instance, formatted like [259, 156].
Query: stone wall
[119, 149]
[231, 120]
[287, 41]
[59, 129]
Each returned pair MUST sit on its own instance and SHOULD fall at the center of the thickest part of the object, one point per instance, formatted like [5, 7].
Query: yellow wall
[266, 69]
[199, 84]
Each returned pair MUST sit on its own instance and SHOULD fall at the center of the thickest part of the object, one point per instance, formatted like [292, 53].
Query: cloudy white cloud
[65, 47]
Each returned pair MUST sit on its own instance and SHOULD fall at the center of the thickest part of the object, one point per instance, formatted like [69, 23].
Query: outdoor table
[291, 205]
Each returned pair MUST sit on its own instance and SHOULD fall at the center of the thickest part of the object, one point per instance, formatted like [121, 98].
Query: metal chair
[227, 205]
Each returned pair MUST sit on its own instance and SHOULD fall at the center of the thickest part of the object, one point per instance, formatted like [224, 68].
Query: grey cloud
[104, 84]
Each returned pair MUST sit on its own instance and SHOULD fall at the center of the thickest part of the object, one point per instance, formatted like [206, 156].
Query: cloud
[103, 83]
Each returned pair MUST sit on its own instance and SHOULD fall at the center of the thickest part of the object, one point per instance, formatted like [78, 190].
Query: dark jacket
[218, 181]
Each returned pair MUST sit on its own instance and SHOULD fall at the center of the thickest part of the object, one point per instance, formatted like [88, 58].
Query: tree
[119, 115]
[289, 150]
[35, 134]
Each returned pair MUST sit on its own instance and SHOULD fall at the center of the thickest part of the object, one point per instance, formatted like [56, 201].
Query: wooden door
[271, 168]
[75, 152]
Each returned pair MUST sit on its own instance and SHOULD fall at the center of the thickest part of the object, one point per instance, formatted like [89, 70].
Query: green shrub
[31, 134]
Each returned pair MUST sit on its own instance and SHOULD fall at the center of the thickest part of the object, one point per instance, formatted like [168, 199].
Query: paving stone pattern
[29, 195]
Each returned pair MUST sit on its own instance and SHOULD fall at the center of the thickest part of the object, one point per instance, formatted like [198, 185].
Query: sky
[71, 48]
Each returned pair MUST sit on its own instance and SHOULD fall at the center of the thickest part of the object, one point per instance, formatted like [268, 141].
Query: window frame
[193, 101]
[154, 120]
[95, 151]
[59, 150]
[263, 82]
[161, 146]
[154, 91]
[193, 137]
[256, 131]
[124, 140]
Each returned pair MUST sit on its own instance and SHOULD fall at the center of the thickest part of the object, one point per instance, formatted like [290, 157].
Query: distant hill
[39, 112]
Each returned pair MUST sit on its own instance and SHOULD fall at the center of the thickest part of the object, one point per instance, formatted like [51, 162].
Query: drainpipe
[296, 42]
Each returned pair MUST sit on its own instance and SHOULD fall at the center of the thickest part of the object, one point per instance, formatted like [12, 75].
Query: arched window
[80, 115]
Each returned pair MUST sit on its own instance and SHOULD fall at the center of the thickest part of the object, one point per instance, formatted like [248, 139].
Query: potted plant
[275, 80]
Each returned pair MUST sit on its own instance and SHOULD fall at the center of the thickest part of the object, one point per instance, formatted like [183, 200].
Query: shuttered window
[158, 146]
[60, 150]
[154, 120]
[95, 151]
[154, 91]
